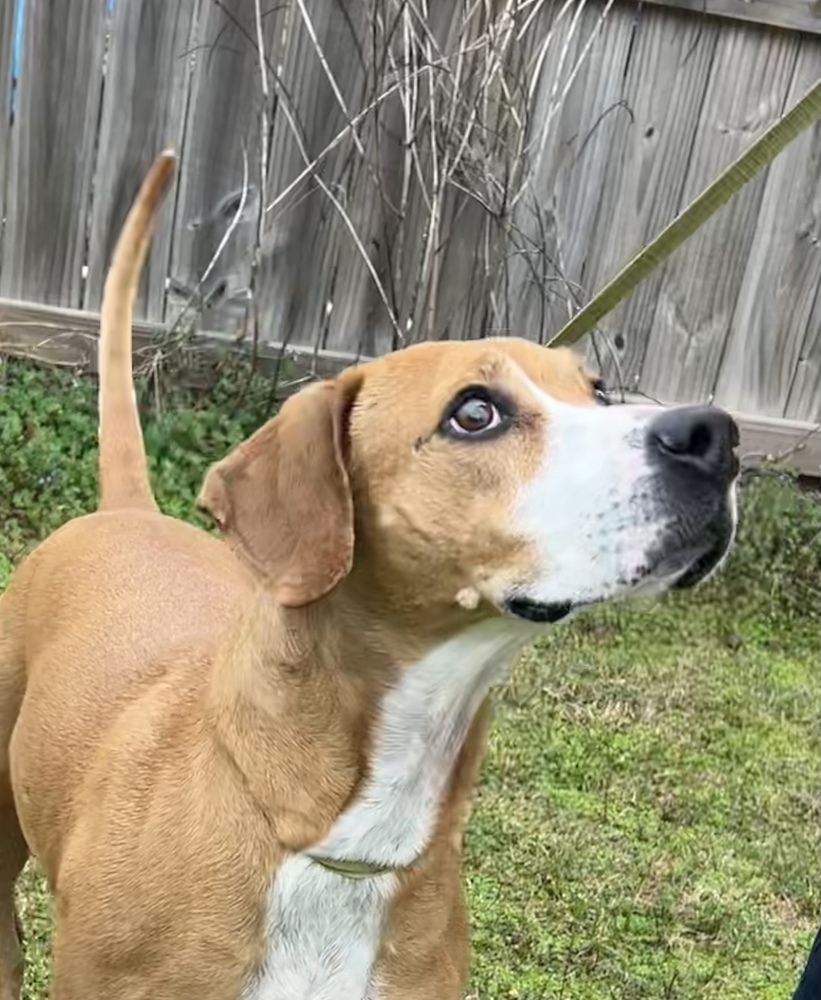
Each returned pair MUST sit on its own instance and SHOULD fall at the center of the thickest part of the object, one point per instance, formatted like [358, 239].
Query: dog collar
[353, 869]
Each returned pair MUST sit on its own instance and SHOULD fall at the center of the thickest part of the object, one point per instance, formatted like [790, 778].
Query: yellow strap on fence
[768, 145]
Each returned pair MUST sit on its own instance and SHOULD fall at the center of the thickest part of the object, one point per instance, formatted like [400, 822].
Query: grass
[647, 824]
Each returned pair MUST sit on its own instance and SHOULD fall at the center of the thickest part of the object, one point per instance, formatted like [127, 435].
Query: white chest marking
[323, 934]
[324, 930]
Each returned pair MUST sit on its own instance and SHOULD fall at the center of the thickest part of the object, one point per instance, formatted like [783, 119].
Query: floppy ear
[283, 498]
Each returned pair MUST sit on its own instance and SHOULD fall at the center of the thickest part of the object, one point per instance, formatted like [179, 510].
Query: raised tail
[123, 466]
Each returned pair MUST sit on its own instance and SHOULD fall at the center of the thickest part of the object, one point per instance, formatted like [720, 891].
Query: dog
[245, 763]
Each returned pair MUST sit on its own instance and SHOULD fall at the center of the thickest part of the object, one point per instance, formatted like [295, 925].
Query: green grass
[647, 824]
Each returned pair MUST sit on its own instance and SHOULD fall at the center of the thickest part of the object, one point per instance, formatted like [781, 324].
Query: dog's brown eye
[475, 415]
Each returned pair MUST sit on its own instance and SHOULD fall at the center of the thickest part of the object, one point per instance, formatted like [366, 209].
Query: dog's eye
[475, 414]
[600, 393]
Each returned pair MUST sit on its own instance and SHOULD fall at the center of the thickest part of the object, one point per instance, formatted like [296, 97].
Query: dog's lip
[679, 568]
[691, 560]
[701, 567]
[537, 611]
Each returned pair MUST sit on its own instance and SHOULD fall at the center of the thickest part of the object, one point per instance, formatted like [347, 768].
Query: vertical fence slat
[534, 270]
[6, 53]
[315, 283]
[149, 41]
[358, 321]
[648, 165]
[783, 271]
[804, 400]
[469, 258]
[559, 214]
[702, 280]
[222, 122]
[52, 151]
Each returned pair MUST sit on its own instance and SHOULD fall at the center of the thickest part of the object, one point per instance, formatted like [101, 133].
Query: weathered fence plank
[51, 154]
[222, 134]
[804, 400]
[6, 49]
[783, 272]
[150, 40]
[573, 121]
[476, 133]
[702, 280]
[448, 239]
[650, 159]
[533, 268]
[315, 287]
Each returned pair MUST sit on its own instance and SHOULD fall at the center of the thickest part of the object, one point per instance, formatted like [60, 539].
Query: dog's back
[159, 590]
[111, 701]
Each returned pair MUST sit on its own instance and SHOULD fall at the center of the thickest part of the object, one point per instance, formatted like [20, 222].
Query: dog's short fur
[194, 735]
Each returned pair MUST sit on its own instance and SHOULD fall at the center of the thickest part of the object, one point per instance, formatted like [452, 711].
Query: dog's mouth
[679, 563]
[702, 567]
[684, 563]
[534, 611]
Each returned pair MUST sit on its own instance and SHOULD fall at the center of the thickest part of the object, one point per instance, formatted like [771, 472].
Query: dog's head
[478, 478]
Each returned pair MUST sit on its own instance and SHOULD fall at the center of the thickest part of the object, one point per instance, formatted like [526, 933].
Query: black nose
[698, 439]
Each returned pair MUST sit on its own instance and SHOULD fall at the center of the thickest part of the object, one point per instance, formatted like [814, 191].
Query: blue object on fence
[17, 44]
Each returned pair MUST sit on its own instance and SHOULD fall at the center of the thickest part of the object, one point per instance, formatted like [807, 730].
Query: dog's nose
[696, 439]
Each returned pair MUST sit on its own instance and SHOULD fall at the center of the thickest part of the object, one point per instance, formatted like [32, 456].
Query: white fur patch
[591, 510]
[423, 724]
[324, 930]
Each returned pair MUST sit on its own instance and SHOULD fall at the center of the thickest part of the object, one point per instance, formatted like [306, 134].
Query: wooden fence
[358, 174]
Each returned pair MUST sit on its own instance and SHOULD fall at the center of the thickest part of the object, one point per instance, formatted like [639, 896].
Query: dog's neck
[291, 713]
[348, 736]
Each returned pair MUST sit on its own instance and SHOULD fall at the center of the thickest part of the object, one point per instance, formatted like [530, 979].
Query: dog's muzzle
[683, 503]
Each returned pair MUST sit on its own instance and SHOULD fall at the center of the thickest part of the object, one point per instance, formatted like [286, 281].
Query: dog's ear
[283, 498]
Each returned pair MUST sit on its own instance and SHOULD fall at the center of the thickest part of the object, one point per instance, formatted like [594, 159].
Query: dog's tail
[123, 466]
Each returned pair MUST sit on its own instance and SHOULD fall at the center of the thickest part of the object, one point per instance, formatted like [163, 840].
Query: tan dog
[247, 775]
